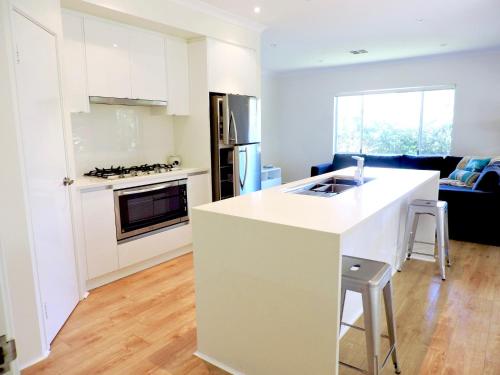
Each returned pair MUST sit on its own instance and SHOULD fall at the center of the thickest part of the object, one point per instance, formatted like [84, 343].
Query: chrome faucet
[360, 170]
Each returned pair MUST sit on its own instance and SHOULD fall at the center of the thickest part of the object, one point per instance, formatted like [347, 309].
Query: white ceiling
[312, 33]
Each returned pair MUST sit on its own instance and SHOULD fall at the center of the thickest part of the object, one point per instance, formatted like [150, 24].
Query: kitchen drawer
[152, 245]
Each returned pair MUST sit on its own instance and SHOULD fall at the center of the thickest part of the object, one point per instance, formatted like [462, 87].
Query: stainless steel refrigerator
[235, 141]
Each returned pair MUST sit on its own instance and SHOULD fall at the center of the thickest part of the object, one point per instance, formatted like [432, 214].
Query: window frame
[402, 90]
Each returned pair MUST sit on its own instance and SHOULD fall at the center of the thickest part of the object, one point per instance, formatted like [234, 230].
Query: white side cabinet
[98, 211]
[147, 66]
[75, 68]
[199, 190]
[176, 52]
[232, 69]
[108, 60]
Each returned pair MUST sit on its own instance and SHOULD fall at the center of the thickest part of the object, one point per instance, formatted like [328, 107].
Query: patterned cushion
[466, 177]
[448, 181]
[477, 165]
[463, 163]
[467, 172]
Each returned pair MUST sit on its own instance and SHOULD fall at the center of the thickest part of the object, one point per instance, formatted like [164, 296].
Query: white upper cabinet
[108, 61]
[232, 69]
[176, 52]
[147, 66]
[75, 69]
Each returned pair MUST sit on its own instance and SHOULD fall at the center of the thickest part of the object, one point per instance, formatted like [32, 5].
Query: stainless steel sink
[328, 187]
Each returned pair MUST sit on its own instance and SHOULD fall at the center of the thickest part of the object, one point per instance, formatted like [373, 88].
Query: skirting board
[110, 277]
[34, 361]
[218, 364]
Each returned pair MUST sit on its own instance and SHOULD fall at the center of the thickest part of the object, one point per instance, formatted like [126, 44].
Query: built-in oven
[143, 209]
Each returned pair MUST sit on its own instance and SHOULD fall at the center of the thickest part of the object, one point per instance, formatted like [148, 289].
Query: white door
[41, 119]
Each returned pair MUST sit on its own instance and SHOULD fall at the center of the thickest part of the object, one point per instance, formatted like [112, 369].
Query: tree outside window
[414, 122]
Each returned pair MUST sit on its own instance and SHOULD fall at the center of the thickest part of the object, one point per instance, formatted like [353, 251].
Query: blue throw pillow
[476, 165]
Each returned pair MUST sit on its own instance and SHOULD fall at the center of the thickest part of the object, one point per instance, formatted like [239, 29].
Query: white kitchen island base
[267, 269]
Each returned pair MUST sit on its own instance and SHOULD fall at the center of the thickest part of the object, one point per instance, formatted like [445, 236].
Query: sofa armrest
[321, 168]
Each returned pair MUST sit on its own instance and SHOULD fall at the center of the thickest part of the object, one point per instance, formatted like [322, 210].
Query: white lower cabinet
[98, 211]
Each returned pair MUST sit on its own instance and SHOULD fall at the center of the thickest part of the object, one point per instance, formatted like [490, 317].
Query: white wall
[271, 150]
[298, 112]
[121, 135]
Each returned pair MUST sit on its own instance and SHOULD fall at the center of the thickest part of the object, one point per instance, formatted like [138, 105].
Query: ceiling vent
[359, 51]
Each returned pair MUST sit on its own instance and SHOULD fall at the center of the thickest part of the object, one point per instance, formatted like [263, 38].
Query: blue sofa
[473, 214]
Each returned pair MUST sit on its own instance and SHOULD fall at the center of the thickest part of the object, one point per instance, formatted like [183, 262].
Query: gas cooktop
[122, 172]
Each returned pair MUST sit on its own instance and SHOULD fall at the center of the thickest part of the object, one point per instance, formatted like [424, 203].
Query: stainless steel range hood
[125, 101]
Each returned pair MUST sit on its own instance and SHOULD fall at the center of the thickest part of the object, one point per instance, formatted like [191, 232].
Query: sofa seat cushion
[463, 189]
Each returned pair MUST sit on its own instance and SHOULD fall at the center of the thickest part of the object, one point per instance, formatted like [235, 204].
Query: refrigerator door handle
[225, 118]
[242, 183]
[233, 121]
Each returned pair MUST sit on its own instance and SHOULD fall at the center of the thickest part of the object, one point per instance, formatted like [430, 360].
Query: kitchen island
[267, 267]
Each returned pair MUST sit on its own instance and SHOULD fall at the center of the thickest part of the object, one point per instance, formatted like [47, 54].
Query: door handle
[233, 121]
[242, 184]
[225, 119]
[68, 181]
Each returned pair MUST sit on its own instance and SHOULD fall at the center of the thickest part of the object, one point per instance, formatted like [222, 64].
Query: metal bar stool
[371, 279]
[438, 209]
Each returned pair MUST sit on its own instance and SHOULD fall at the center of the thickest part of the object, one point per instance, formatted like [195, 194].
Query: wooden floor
[145, 324]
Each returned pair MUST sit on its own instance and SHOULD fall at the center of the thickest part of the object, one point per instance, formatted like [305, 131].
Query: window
[398, 122]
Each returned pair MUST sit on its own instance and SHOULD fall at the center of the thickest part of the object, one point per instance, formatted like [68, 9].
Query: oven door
[143, 209]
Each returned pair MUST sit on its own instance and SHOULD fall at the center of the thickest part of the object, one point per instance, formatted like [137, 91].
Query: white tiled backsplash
[121, 135]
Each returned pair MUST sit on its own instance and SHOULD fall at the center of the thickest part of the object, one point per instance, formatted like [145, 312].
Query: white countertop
[336, 214]
[88, 183]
